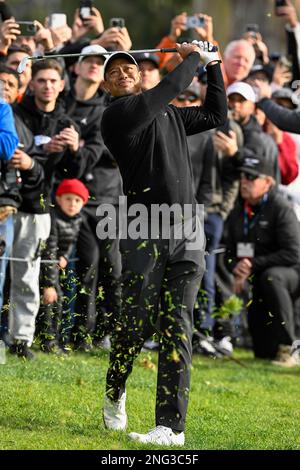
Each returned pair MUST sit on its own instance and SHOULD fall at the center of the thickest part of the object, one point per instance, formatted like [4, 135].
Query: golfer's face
[122, 78]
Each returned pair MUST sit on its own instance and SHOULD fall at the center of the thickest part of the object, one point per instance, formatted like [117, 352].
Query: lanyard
[249, 221]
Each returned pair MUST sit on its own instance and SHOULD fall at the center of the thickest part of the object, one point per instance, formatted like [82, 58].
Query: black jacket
[201, 151]
[47, 124]
[147, 136]
[258, 142]
[93, 163]
[62, 238]
[275, 234]
[286, 119]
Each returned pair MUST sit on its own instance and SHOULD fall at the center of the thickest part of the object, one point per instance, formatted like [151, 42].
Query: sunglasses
[249, 176]
[190, 98]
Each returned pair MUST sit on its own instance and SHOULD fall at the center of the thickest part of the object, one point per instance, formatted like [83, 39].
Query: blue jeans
[7, 233]
[213, 228]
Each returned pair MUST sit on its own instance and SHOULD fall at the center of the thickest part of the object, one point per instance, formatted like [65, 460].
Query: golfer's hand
[207, 55]
[186, 49]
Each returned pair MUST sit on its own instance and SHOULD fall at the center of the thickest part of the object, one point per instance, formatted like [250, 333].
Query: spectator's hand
[55, 145]
[70, 137]
[288, 13]
[62, 262]
[206, 33]
[281, 75]
[114, 38]
[238, 285]
[43, 36]
[262, 89]
[260, 47]
[178, 25]
[61, 35]
[9, 31]
[94, 22]
[274, 132]
[226, 144]
[243, 268]
[49, 295]
[21, 161]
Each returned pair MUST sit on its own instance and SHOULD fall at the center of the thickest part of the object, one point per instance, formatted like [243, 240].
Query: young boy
[71, 196]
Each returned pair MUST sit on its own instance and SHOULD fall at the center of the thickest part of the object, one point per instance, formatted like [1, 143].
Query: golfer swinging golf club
[147, 137]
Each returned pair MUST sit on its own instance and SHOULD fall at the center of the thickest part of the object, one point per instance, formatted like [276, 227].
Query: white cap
[243, 89]
[117, 55]
[93, 49]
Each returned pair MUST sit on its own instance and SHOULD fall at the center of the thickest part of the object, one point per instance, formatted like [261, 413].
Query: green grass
[55, 403]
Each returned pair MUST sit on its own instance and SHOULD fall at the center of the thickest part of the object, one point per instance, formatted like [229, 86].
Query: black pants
[153, 271]
[271, 314]
[99, 271]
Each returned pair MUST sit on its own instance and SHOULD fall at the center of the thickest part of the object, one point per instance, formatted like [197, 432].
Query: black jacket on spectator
[201, 151]
[47, 124]
[258, 142]
[34, 179]
[286, 119]
[63, 236]
[147, 136]
[93, 163]
[276, 234]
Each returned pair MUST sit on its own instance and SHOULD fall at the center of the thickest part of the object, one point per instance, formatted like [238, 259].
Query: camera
[117, 23]
[85, 8]
[27, 28]
[194, 21]
[253, 29]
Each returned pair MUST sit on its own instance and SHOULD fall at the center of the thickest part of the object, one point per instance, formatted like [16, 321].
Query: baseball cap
[267, 70]
[118, 55]
[143, 56]
[73, 186]
[256, 164]
[287, 94]
[93, 49]
[243, 89]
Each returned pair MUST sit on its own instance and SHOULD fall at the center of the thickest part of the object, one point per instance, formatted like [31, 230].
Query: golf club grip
[172, 49]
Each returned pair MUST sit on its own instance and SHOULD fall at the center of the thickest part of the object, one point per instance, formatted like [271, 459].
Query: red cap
[73, 186]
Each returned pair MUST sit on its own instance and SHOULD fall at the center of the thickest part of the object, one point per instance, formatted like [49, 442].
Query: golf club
[23, 64]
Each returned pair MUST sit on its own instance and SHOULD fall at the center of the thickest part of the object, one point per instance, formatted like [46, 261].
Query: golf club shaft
[140, 51]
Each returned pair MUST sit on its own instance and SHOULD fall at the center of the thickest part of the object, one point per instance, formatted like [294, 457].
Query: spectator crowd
[60, 284]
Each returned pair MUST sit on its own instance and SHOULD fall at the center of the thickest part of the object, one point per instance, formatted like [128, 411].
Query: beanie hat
[73, 186]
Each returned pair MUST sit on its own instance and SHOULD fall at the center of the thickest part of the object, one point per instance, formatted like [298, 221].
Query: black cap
[260, 68]
[143, 56]
[256, 164]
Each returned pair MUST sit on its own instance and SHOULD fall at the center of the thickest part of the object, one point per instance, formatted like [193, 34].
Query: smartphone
[117, 23]
[85, 8]
[57, 20]
[225, 128]
[194, 21]
[280, 3]
[27, 28]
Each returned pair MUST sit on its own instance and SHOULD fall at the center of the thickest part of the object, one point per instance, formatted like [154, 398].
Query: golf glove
[208, 52]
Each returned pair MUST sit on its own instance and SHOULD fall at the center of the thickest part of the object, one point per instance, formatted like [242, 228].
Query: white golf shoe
[114, 413]
[160, 435]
